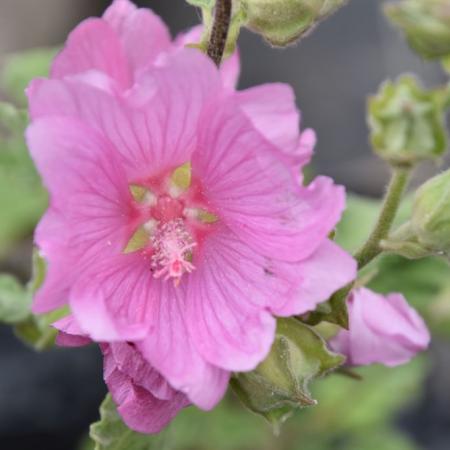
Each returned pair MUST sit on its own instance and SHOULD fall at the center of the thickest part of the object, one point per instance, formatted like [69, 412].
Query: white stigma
[172, 245]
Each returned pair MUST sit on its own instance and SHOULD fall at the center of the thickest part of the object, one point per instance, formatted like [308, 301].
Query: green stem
[371, 249]
[219, 32]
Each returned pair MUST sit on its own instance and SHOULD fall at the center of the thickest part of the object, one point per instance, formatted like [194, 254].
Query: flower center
[173, 220]
[172, 246]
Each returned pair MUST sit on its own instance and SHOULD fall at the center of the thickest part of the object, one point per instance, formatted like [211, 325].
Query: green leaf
[21, 68]
[22, 196]
[280, 384]
[110, 433]
[14, 300]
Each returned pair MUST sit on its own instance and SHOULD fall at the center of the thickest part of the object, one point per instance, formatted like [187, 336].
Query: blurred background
[47, 400]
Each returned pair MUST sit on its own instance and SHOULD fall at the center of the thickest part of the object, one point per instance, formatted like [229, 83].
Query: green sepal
[407, 123]
[280, 384]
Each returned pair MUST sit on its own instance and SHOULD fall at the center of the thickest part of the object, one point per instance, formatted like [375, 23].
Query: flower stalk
[219, 32]
[371, 249]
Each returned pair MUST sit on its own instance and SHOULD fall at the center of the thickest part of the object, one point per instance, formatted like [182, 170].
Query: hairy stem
[371, 249]
[219, 32]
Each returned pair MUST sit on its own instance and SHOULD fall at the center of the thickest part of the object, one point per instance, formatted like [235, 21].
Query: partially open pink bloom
[144, 399]
[383, 329]
[177, 225]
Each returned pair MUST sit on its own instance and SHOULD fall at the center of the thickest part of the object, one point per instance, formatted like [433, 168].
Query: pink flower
[177, 224]
[143, 397]
[383, 329]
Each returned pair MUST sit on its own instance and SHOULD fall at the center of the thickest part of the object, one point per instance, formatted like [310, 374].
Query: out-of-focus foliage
[22, 197]
[21, 68]
[15, 308]
[426, 24]
[14, 300]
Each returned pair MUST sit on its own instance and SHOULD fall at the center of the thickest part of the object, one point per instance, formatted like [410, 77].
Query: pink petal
[228, 329]
[142, 33]
[169, 348]
[254, 192]
[141, 410]
[89, 198]
[93, 45]
[159, 135]
[69, 333]
[111, 299]
[318, 277]
[273, 112]
[382, 330]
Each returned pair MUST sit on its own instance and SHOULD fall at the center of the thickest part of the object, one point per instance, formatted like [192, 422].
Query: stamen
[172, 245]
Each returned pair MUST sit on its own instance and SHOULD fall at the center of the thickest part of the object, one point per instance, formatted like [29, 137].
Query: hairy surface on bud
[431, 213]
[407, 122]
[280, 383]
[282, 22]
[426, 24]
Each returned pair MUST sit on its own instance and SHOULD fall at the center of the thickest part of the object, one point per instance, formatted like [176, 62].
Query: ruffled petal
[93, 45]
[143, 35]
[169, 348]
[141, 410]
[158, 135]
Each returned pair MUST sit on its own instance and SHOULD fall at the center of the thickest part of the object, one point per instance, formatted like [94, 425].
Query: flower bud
[426, 24]
[407, 122]
[431, 214]
[280, 383]
[282, 22]
[383, 329]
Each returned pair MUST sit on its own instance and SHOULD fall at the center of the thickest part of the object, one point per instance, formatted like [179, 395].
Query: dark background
[47, 400]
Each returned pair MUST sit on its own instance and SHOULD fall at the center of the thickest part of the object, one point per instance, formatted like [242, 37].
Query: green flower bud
[407, 122]
[431, 213]
[282, 22]
[426, 24]
[279, 384]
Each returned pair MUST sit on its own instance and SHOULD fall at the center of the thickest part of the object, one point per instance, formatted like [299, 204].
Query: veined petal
[228, 326]
[169, 348]
[143, 35]
[93, 45]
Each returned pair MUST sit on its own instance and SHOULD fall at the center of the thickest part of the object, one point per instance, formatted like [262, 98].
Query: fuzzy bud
[407, 122]
[282, 22]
